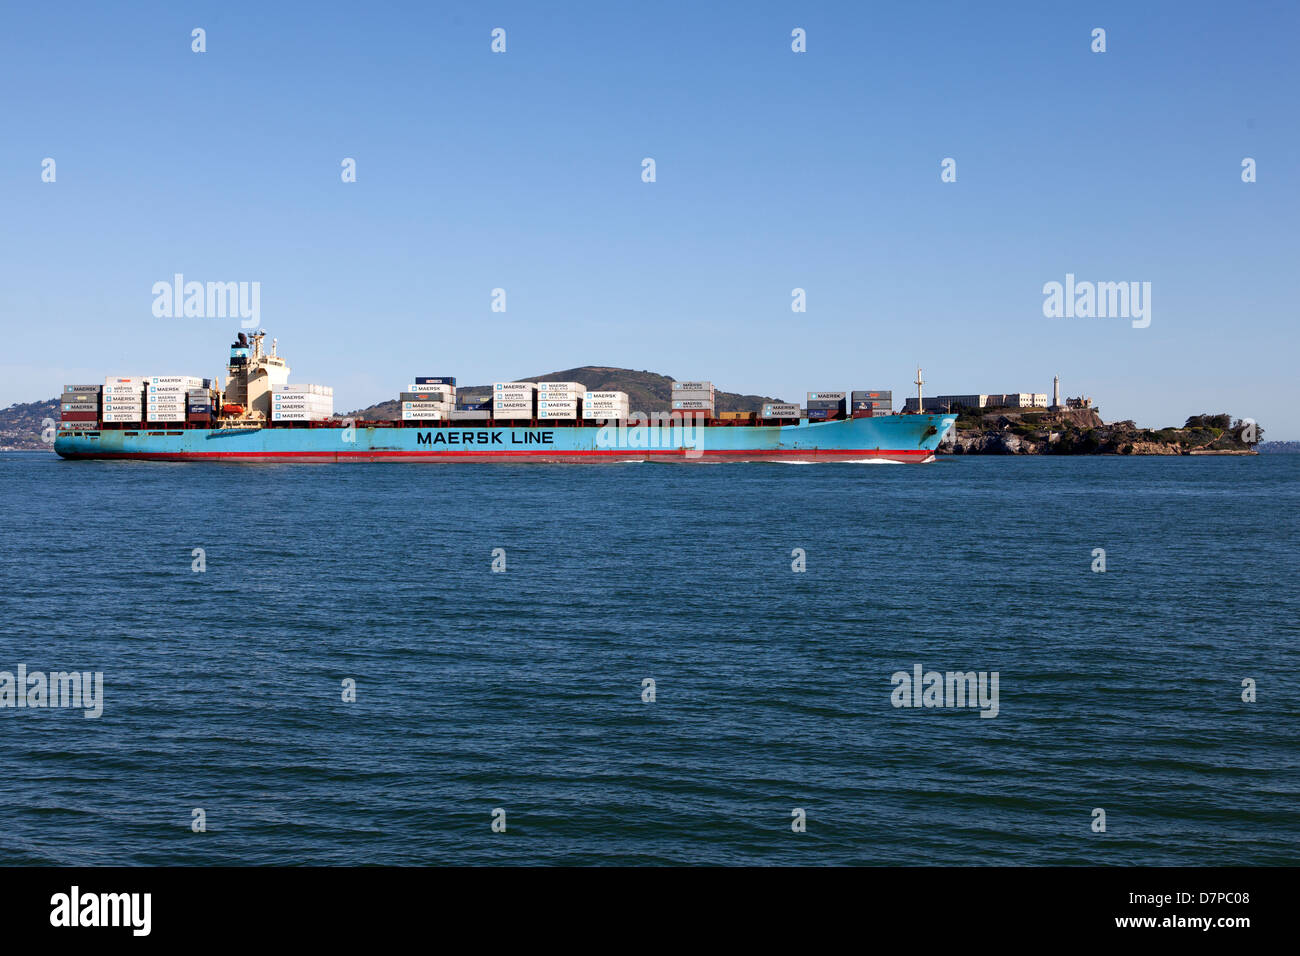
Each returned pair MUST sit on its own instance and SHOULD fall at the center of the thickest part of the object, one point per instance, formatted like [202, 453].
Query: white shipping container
[604, 396]
[83, 388]
[560, 396]
[303, 389]
[81, 407]
[561, 387]
[122, 417]
[692, 386]
[168, 417]
[427, 406]
[514, 387]
[426, 416]
[566, 414]
[775, 410]
[448, 389]
[323, 410]
[174, 380]
[124, 380]
[693, 406]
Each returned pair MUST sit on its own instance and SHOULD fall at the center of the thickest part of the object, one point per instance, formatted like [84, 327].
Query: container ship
[257, 415]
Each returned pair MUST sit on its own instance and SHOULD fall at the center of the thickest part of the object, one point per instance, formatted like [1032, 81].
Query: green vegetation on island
[1081, 431]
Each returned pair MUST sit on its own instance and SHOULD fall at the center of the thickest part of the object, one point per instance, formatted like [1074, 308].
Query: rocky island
[1081, 431]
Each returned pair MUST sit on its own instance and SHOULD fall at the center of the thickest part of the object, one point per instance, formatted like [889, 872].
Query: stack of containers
[608, 406]
[79, 407]
[779, 410]
[472, 408]
[124, 399]
[429, 398]
[826, 406]
[200, 404]
[514, 400]
[301, 403]
[560, 400]
[871, 404]
[695, 398]
[165, 396]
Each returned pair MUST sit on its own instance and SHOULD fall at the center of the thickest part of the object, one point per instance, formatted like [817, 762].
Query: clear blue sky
[775, 170]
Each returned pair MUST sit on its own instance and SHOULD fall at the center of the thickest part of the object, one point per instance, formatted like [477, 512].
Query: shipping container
[861, 395]
[827, 396]
[693, 406]
[80, 406]
[425, 397]
[303, 388]
[427, 380]
[79, 416]
[693, 386]
[470, 415]
[83, 388]
[780, 410]
[561, 387]
[498, 387]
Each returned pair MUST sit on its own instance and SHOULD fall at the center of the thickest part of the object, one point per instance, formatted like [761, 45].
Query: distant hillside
[1278, 447]
[20, 425]
[646, 391]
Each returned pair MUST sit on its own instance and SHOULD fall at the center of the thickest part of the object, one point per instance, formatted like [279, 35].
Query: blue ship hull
[905, 438]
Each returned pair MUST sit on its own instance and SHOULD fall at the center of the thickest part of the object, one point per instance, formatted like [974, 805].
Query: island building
[945, 403]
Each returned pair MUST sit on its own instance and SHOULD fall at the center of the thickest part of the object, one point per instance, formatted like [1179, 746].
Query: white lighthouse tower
[1056, 391]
